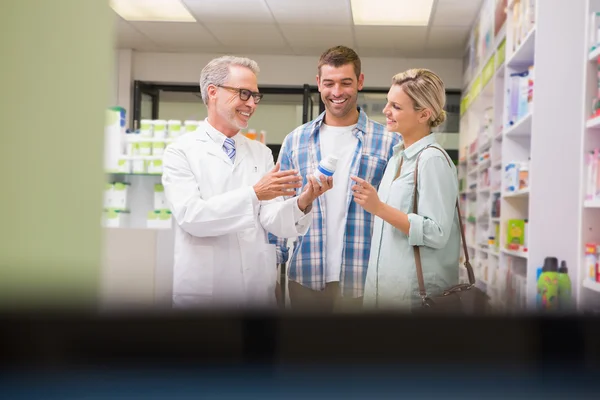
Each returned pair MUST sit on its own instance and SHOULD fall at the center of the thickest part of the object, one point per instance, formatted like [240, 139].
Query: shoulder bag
[462, 298]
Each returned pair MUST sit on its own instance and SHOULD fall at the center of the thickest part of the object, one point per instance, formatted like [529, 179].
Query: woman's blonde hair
[426, 90]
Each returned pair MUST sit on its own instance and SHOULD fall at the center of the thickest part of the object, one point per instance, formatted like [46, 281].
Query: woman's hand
[366, 195]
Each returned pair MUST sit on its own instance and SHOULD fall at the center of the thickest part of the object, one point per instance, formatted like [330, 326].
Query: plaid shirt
[301, 151]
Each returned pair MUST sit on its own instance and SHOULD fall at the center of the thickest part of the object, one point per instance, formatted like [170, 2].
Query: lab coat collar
[416, 147]
[215, 139]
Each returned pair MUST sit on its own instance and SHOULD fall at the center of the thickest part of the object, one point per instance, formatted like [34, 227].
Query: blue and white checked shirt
[301, 151]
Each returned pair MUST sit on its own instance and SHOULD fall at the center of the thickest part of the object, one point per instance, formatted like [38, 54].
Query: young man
[328, 266]
[226, 195]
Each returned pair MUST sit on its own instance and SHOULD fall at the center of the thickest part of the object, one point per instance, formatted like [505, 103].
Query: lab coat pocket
[197, 275]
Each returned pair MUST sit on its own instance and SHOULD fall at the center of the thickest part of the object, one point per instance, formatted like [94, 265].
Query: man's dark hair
[338, 56]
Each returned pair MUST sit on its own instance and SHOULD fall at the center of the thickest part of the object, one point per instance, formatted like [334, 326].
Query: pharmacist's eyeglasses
[244, 93]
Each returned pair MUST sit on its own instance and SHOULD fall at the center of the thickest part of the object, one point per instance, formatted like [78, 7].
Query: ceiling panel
[449, 37]
[126, 36]
[323, 36]
[230, 11]
[455, 13]
[313, 12]
[176, 34]
[254, 35]
[392, 37]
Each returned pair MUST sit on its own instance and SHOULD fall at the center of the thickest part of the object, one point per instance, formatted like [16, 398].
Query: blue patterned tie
[229, 148]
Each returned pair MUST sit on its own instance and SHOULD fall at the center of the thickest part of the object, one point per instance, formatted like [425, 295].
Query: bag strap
[417, 250]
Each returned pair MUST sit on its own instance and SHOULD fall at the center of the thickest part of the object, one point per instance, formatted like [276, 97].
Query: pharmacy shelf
[589, 284]
[593, 123]
[524, 54]
[144, 158]
[516, 194]
[594, 54]
[521, 128]
[485, 164]
[131, 138]
[132, 174]
[587, 291]
[592, 204]
[516, 253]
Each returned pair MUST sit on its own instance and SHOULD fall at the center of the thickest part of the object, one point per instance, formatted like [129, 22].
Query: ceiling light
[152, 10]
[391, 12]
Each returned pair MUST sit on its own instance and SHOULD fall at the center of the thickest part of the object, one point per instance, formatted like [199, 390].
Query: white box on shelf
[160, 201]
[160, 129]
[108, 196]
[173, 128]
[159, 219]
[120, 196]
[146, 128]
[154, 166]
[116, 219]
[158, 148]
[190, 125]
[138, 166]
[145, 148]
[124, 166]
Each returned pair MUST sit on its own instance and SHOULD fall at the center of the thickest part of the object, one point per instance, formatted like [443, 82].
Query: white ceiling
[299, 27]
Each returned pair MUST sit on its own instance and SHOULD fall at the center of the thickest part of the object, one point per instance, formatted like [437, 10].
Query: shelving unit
[588, 293]
[537, 137]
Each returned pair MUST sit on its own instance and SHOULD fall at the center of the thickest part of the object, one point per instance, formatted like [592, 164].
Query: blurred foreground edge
[154, 339]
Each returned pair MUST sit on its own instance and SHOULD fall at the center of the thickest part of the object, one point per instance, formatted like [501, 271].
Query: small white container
[145, 148]
[108, 200]
[159, 219]
[138, 166]
[160, 201]
[173, 128]
[160, 128]
[158, 148]
[124, 166]
[190, 126]
[116, 219]
[120, 196]
[146, 128]
[326, 167]
[154, 166]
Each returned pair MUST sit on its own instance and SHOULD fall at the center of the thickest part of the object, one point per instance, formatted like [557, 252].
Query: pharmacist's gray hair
[216, 72]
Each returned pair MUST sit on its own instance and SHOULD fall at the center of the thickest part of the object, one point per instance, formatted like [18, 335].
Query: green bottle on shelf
[564, 287]
[547, 284]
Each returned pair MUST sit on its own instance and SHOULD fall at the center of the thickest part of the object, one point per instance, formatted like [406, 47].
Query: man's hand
[312, 190]
[277, 183]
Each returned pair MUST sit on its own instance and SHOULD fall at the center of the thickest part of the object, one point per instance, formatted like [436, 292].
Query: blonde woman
[415, 105]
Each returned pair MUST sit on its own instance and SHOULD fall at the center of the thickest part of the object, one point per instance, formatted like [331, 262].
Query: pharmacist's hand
[277, 183]
[312, 190]
[366, 195]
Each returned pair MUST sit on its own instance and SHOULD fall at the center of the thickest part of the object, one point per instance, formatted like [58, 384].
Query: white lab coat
[222, 254]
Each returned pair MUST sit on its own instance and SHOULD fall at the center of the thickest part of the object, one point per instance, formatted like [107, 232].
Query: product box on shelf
[123, 166]
[173, 128]
[138, 166]
[158, 148]
[592, 263]
[160, 201]
[515, 234]
[154, 167]
[159, 219]
[593, 176]
[114, 218]
[146, 128]
[159, 129]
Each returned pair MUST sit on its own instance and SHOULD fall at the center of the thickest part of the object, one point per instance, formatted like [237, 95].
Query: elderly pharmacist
[225, 195]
